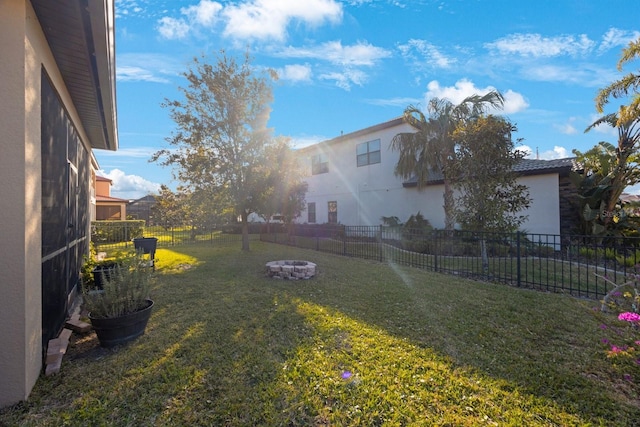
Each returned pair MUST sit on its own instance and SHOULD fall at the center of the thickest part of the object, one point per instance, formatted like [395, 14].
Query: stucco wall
[24, 51]
[365, 194]
[20, 305]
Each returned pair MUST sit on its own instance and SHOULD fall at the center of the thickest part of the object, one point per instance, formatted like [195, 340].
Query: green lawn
[363, 344]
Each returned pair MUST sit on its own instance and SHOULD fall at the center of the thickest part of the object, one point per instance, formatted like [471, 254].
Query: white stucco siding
[543, 214]
[364, 194]
[367, 193]
[544, 211]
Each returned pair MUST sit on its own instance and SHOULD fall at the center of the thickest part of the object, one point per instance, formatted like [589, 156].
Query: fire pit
[290, 269]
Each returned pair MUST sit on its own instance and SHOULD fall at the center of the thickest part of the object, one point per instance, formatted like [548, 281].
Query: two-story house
[351, 181]
[108, 207]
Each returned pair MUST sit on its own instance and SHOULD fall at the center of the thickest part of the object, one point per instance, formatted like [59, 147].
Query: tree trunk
[485, 257]
[245, 231]
[290, 235]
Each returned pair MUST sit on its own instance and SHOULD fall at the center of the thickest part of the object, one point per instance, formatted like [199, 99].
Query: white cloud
[423, 54]
[129, 186]
[139, 152]
[359, 54]
[347, 59]
[537, 46]
[582, 74]
[603, 128]
[557, 153]
[346, 78]
[567, 128]
[616, 37]
[513, 101]
[269, 19]
[204, 13]
[126, 73]
[129, 8]
[528, 152]
[147, 67]
[295, 73]
[394, 102]
[172, 28]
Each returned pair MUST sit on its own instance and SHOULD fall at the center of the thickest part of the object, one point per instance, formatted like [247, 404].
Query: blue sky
[346, 65]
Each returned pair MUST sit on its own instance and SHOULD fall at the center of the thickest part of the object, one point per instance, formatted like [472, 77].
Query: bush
[125, 290]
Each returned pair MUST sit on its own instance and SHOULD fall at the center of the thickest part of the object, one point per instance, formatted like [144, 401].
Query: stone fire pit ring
[290, 269]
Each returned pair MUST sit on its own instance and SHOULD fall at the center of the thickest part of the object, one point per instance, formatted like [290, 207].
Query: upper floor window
[319, 164]
[368, 153]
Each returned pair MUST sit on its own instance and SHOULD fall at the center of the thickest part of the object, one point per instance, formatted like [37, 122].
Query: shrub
[125, 290]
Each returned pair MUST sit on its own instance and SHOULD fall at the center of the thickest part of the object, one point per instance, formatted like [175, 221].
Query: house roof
[107, 199]
[102, 178]
[630, 198]
[149, 198]
[81, 37]
[523, 168]
[375, 128]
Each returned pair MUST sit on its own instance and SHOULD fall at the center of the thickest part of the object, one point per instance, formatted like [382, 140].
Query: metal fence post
[380, 243]
[344, 240]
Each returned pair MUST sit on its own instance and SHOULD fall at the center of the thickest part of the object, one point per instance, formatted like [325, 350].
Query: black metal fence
[583, 266]
[114, 236]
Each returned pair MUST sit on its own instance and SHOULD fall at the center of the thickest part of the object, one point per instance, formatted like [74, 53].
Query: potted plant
[119, 312]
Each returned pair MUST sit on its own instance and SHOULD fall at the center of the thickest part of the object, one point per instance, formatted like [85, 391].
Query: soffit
[80, 34]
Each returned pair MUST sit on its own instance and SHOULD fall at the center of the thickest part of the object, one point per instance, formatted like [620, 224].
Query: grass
[362, 343]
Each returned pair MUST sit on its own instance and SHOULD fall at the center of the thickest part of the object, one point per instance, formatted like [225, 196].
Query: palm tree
[617, 166]
[620, 88]
[430, 150]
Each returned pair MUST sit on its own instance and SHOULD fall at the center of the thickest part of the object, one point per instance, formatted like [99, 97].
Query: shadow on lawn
[353, 346]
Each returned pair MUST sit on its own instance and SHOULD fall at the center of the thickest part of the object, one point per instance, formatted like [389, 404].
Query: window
[311, 213]
[319, 164]
[333, 212]
[368, 153]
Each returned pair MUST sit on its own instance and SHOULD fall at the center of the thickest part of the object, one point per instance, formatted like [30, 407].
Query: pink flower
[629, 316]
[615, 349]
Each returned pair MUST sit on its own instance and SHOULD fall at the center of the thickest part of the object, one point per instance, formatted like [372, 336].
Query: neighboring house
[631, 204]
[351, 181]
[141, 208]
[57, 103]
[107, 207]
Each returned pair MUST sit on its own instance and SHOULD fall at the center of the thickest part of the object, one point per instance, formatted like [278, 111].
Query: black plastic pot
[100, 271]
[146, 244]
[120, 330]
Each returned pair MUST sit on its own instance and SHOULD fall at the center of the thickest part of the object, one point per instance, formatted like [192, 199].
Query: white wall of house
[366, 193]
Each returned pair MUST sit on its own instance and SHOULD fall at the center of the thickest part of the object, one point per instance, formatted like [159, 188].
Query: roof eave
[83, 45]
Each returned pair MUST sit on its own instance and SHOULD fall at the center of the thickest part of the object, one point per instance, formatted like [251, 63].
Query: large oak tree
[222, 143]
